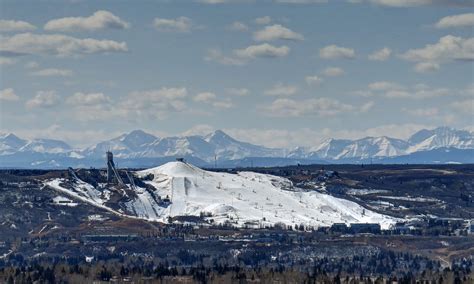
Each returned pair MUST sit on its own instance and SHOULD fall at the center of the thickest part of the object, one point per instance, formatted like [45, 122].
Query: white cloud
[160, 94]
[213, 1]
[15, 26]
[217, 56]
[83, 99]
[449, 48]
[397, 94]
[43, 99]
[98, 21]
[180, 24]
[32, 65]
[281, 90]
[211, 98]
[422, 112]
[238, 92]
[456, 21]
[336, 52]
[205, 97]
[150, 104]
[238, 26]
[51, 72]
[223, 104]
[242, 56]
[6, 61]
[468, 91]
[275, 32]
[415, 3]
[394, 90]
[313, 80]
[8, 95]
[263, 20]
[263, 50]
[384, 86]
[302, 1]
[424, 92]
[402, 3]
[134, 107]
[319, 107]
[425, 67]
[161, 98]
[333, 72]
[465, 106]
[59, 45]
[366, 107]
[381, 55]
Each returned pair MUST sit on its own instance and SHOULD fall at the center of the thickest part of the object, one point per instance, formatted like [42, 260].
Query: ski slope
[245, 198]
[251, 197]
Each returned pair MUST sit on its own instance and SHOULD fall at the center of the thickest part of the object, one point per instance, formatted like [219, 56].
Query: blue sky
[279, 74]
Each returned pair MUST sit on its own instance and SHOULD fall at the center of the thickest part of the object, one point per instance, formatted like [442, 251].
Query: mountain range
[141, 149]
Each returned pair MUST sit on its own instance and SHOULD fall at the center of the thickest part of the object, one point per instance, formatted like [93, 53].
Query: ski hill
[244, 199]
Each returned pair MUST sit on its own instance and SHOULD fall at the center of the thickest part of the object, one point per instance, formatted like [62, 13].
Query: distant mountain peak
[10, 142]
[220, 137]
[138, 145]
[44, 145]
[137, 138]
[219, 134]
[137, 133]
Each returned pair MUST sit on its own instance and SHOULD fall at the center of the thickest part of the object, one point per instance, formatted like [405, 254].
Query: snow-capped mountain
[10, 143]
[139, 144]
[138, 149]
[125, 145]
[366, 148]
[181, 189]
[46, 146]
[227, 148]
[329, 149]
[194, 146]
[441, 137]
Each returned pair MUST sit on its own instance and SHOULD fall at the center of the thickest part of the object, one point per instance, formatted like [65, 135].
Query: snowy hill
[243, 198]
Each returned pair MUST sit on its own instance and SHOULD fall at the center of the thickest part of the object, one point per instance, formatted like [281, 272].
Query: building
[367, 228]
[339, 228]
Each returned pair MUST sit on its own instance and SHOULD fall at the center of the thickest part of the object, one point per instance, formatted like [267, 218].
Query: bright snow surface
[250, 197]
[242, 198]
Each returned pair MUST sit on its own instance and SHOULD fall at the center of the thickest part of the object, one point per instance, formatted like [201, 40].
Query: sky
[280, 73]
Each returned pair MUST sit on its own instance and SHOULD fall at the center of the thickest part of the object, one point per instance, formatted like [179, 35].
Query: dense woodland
[383, 267]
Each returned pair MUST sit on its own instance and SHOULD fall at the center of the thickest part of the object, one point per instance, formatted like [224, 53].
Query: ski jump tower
[111, 170]
[110, 165]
